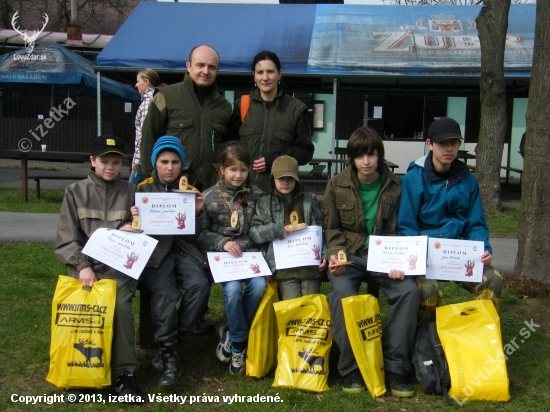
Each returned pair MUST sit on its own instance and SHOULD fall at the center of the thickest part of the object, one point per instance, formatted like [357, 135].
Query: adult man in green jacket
[194, 112]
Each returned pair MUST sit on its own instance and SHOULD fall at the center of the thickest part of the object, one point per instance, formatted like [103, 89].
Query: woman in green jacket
[274, 124]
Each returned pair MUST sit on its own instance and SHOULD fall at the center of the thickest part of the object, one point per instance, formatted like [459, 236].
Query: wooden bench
[512, 169]
[55, 176]
[52, 176]
[314, 182]
[317, 170]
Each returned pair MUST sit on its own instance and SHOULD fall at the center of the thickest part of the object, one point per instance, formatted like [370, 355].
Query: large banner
[320, 38]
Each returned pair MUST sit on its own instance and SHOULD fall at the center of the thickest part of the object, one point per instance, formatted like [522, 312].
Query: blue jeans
[136, 176]
[240, 308]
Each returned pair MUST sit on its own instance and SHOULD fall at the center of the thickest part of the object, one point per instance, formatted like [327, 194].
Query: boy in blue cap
[175, 263]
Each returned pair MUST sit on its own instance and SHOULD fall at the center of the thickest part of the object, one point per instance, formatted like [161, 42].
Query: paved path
[28, 227]
[42, 227]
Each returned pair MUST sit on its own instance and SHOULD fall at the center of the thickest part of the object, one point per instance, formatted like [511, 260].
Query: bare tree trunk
[5, 14]
[534, 223]
[492, 24]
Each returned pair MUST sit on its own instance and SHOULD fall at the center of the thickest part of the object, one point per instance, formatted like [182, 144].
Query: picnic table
[341, 162]
[48, 155]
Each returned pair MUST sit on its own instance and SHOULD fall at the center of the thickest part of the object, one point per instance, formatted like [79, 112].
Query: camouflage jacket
[164, 245]
[216, 215]
[268, 224]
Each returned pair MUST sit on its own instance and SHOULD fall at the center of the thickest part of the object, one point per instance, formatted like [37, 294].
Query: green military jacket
[176, 111]
[343, 212]
[273, 129]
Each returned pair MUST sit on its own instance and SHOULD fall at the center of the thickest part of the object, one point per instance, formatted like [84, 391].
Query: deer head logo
[181, 220]
[132, 258]
[469, 265]
[255, 268]
[88, 352]
[29, 40]
[312, 360]
[317, 250]
[412, 261]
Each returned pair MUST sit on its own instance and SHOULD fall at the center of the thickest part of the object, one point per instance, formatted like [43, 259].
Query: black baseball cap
[444, 128]
[107, 143]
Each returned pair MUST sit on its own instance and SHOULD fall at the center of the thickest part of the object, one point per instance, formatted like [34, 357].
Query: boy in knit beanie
[175, 264]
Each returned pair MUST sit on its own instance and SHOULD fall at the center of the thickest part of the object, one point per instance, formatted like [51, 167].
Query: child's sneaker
[223, 351]
[238, 361]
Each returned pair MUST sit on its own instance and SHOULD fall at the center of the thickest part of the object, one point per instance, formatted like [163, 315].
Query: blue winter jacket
[448, 208]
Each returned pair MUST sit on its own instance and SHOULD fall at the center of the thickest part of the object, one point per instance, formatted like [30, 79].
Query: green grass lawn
[28, 275]
[49, 202]
[504, 224]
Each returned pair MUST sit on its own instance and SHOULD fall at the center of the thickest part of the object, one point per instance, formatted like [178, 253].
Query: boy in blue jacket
[441, 198]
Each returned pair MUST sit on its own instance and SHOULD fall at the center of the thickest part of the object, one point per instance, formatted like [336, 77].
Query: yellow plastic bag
[261, 355]
[364, 328]
[82, 330]
[305, 339]
[471, 339]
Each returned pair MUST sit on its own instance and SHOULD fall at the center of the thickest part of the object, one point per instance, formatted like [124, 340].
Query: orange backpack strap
[245, 104]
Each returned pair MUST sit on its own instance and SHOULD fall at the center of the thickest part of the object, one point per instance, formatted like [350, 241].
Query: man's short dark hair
[206, 45]
[366, 140]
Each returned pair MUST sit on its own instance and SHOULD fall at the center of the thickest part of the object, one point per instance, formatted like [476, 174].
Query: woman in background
[147, 80]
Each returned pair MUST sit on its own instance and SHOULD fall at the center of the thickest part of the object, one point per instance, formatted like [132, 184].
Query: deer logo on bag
[89, 352]
[313, 361]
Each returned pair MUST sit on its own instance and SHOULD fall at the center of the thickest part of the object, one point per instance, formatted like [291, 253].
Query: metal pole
[334, 99]
[74, 11]
[99, 103]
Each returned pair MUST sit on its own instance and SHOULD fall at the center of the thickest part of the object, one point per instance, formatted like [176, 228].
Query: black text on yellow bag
[470, 335]
[261, 355]
[364, 328]
[305, 339]
[82, 330]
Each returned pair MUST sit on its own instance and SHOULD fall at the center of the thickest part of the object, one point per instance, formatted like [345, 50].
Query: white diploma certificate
[458, 260]
[124, 251]
[166, 213]
[300, 248]
[406, 253]
[225, 267]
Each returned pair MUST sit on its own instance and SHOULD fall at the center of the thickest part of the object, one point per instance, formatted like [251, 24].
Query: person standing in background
[195, 113]
[274, 124]
[147, 80]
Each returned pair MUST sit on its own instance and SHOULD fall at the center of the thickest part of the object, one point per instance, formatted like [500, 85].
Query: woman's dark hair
[266, 55]
[231, 153]
[366, 140]
[269, 55]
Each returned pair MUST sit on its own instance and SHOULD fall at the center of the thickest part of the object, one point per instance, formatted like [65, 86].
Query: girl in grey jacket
[272, 221]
